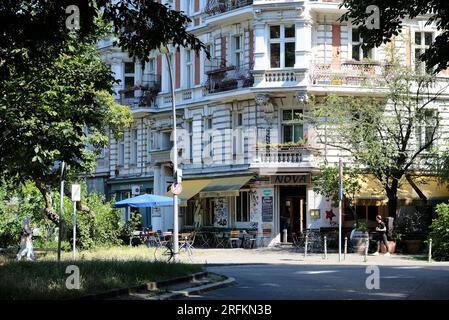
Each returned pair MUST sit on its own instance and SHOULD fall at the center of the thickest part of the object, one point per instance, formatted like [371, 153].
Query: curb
[195, 290]
[151, 286]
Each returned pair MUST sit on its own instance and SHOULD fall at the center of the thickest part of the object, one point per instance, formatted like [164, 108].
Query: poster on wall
[267, 206]
[221, 212]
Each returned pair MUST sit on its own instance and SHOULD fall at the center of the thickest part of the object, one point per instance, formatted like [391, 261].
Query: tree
[55, 93]
[383, 133]
[392, 14]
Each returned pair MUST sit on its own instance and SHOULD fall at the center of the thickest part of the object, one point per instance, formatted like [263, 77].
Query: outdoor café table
[203, 239]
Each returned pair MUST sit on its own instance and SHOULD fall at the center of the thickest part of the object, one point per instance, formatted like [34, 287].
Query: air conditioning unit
[135, 190]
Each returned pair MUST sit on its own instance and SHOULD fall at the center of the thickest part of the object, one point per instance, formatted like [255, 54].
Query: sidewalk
[290, 256]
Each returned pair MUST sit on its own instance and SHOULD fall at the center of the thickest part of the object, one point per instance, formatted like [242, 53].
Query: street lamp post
[164, 50]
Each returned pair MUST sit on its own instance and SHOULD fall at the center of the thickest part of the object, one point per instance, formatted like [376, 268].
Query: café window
[208, 218]
[242, 207]
[189, 211]
[282, 46]
[292, 126]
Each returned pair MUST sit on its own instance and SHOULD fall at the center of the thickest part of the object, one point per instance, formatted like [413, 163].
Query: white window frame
[134, 145]
[237, 56]
[188, 77]
[129, 95]
[422, 47]
[291, 122]
[189, 123]
[238, 141]
[282, 40]
[208, 133]
[121, 151]
[352, 43]
[428, 123]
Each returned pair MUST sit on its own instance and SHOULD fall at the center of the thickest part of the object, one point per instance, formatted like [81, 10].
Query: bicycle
[164, 249]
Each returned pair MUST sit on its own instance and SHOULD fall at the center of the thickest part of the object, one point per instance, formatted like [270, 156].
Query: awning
[373, 193]
[189, 189]
[224, 187]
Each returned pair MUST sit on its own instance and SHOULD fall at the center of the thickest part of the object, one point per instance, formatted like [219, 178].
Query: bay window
[282, 46]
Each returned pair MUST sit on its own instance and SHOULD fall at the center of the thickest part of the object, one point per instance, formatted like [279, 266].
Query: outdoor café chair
[234, 237]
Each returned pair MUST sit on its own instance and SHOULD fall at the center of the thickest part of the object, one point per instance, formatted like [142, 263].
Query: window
[129, 79]
[292, 126]
[358, 52]
[166, 142]
[188, 7]
[425, 129]
[282, 46]
[423, 41]
[189, 213]
[190, 132]
[153, 140]
[237, 135]
[189, 68]
[134, 145]
[238, 52]
[242, 207]
[210, 212]
[208, 138]
[121, 152]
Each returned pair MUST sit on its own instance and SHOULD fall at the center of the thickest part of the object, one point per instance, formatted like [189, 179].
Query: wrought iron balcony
[223, 76]
[214, 7]
[142, 95]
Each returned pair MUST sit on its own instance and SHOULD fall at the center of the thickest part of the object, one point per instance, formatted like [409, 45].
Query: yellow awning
[224, 187]
[372, 190]
[190, 188]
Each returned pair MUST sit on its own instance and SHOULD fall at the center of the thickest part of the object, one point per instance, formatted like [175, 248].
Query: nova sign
[291, 179]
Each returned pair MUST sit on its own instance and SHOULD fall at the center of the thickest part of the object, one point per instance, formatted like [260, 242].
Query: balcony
[222, 76]
[160, 156]
[214, 7]
[141, 95]
[284, 156]
[350, 73]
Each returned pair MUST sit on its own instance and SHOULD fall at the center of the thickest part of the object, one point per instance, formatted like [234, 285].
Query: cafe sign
[291, 179]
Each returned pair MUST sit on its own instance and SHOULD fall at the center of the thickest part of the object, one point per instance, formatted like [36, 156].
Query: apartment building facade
[246, 152]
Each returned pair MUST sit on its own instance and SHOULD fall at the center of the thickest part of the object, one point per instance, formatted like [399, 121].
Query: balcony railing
[214, 7]
[284, 156]
[347, 73]
[160, 156]
[141, 95]
[223, 76]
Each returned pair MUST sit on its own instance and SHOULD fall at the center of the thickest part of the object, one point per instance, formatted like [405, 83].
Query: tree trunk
[392, 194]
[421, 195]
[49, 209]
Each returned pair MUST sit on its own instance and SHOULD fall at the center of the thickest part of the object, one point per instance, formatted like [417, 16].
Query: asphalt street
[323, 282]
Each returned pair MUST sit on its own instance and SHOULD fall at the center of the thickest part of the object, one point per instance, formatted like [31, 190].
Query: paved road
[287, 282]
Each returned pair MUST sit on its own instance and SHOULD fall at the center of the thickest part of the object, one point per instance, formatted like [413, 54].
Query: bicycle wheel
[163, 253]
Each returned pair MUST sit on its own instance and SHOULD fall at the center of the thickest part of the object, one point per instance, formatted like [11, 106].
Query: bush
[440, 233]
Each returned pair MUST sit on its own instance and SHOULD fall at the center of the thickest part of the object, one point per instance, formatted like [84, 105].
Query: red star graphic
[330, 214]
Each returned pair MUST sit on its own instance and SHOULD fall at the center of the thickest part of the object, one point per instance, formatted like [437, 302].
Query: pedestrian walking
[382, 235]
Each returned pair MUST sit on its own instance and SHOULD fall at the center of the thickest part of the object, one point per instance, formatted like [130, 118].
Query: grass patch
[101, 270]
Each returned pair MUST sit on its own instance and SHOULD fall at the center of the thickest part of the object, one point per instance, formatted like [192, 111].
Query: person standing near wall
[26, 241]
[382, 230]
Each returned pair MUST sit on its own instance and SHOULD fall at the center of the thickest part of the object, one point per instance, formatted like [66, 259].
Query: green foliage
[362, 226]
[440, 233]
[328, 180]
[133, 224]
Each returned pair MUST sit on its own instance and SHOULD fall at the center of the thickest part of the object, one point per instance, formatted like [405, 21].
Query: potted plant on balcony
[228, 84]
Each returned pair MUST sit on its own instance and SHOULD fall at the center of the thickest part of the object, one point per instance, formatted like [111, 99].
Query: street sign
[76, 192]
[176, 188]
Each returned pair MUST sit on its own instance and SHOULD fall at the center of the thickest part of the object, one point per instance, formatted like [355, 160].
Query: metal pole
[74, 230]
[430, 250]
[366, 249]
[340, 222]
[325, 247]
[305, 246]
[175, 163]
[346, 248]
[61, 210]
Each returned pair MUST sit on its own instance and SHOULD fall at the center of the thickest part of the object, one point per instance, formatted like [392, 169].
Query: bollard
[366, 249]
[325, 247]
[430, 250]
[346, 248]
[305, 246]
[284, 236]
